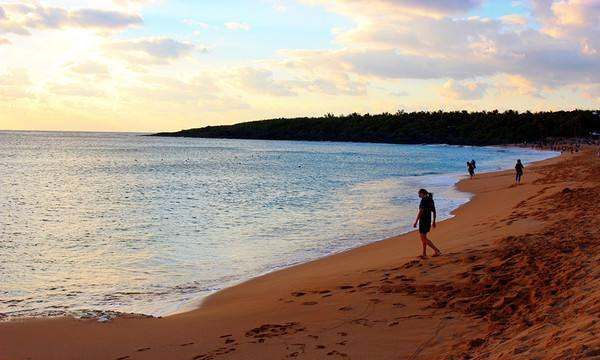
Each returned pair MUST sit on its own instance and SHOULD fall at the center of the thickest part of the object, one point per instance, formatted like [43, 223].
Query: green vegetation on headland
[458, 127]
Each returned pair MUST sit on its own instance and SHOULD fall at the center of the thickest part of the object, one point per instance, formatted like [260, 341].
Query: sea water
[140, 224]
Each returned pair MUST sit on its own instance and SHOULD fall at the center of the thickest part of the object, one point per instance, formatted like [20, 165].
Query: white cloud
[397, 44]
[95, 70]
[237, 26]
[21, 19]
[262, 81]
[196, 23]
[463, 90]
[14, 84]
[154, 50]
[75, 90]
[515, 19]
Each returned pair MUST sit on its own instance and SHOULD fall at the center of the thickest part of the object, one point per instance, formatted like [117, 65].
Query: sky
[161, 65]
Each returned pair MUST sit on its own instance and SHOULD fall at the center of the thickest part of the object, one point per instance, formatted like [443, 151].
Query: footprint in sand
[345, 287]
[203, 357]
[274, 330]
[337, 353]
[143, 349]
[124, 357]
[345, 308]
[187, 344]
[362, 321]
[310, 303]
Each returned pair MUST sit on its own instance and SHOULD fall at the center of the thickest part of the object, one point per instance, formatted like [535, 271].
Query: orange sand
[520, 279]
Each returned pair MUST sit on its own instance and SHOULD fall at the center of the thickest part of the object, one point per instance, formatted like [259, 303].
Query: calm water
[137, 224]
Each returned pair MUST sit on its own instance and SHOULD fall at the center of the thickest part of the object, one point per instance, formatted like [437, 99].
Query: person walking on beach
[519, 170]
[424, 220]
[471, 168]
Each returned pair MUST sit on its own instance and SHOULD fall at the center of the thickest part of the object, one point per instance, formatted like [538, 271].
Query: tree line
[437, 127]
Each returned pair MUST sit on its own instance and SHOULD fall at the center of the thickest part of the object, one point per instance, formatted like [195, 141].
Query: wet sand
[519, 279]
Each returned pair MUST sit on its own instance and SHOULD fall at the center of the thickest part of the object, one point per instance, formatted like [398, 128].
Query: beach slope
[519, 279]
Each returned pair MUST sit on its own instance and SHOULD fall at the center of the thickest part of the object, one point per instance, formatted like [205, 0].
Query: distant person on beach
[424, 220]
[519, 170]
[471, 168]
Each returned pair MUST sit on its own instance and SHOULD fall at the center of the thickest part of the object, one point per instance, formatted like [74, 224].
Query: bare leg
[426, 242]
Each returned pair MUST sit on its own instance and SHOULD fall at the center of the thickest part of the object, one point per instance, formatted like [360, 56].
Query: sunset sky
[135, 65]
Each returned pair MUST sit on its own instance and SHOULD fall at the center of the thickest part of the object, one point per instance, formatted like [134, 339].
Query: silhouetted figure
[519, 170]
[471, 168]
[424, 220]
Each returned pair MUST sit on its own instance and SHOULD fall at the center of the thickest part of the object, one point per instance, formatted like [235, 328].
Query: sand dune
[519, 279]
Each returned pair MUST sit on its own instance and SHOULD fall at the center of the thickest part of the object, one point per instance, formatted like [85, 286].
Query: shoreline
[451, 179]
[372, 294]
[460, 185]
[458, 178]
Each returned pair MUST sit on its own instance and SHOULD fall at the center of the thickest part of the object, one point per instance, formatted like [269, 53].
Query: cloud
[103, 19]
[576, 12]
[90, 69]
[399, 8]
[463, 90]
[519, 85]
[4, 41]
[157, 50]
[21, 19]
[592, 92]
[132, 2]
[515, 19]
[262, 81]
[75, 90]
[293, 80]
[192, 22]
[576, 20]
[203, 92]
[213, 103]
[393, 65]
[446, 6]
[14, 84]
[237, 26]
[398, 44]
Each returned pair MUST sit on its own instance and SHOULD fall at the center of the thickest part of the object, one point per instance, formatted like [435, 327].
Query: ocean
[129, 223]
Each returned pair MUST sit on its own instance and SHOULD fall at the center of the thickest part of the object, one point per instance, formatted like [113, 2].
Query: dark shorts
[424, 226]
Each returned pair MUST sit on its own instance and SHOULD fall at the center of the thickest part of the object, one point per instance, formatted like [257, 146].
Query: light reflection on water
[139, 224]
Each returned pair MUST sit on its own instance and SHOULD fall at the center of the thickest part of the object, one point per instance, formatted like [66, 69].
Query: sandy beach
[519, 279]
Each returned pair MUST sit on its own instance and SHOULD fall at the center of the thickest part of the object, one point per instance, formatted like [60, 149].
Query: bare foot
[437, 254]
[423, 257]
